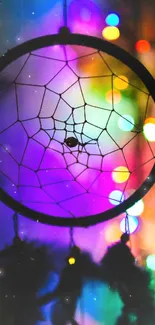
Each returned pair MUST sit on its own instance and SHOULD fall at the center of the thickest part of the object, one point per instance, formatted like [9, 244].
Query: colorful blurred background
[106, 84]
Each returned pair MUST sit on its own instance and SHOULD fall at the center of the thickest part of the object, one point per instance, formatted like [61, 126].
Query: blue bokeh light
[126, 123]
[112, 20]
[116, 197]
[133, 224]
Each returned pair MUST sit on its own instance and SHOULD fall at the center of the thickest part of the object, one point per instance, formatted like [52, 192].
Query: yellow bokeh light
[121, 82]
[113, 96]
[111, 33]
[120, 174]
[71, 260]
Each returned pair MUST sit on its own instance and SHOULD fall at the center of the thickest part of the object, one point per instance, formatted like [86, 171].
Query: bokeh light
[112, 19]
[150, 262]
[126, 123]
[1, 272]
[112, 232]
[149, 129]
[133, 224]
[116, 197]
[111, 33]
[120, 174]
[85, 14]
[142, 46]
[113, 96]
[71, 260]
[136, 209]
[121, 82]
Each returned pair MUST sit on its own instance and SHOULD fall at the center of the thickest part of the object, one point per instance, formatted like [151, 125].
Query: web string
[71, 233]
[65, 13]
[16, 225]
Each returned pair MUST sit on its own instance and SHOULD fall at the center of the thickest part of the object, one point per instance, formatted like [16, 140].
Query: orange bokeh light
[113, 96]
[112, 233]
[143, 46]
[150, 120]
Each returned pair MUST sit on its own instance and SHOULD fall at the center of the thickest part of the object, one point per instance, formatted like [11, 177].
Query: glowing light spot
[120, 174]
[150, 262]
[67, 299]
[85, 14]
[149, 129]
[112, 19]
[143, 46]
[121, 82]
[71, 260]
[136, 209]
[116, 197]
[112, 232]
[113, 97]
[111, 33]
[133, 224]
[150, 120]
[126, 123]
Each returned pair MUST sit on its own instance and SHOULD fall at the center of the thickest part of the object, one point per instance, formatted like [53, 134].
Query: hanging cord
[65, 16]
[65, 30]
[22, 16]
[127, 229]
[16, 225]
[71, 233]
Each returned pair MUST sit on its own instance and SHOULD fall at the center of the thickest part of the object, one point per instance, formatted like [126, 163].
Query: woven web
[55, 94]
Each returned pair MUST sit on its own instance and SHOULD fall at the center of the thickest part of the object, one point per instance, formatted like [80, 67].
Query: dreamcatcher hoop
[67, 38]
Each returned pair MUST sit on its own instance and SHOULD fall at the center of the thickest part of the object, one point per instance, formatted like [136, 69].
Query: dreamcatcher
[61, 136]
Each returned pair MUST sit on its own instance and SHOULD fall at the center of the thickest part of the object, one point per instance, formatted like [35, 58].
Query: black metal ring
[133, 64]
